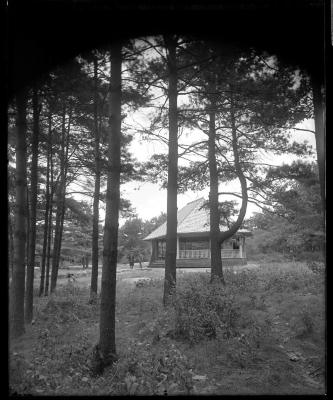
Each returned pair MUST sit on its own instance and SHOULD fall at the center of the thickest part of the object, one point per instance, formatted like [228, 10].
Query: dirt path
[81, 277]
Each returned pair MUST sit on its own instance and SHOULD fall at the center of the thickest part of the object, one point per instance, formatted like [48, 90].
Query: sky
[149, 200]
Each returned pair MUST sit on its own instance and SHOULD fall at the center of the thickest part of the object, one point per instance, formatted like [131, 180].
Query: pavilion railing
[205, 253]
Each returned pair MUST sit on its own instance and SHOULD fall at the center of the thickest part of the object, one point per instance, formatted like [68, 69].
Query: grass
[264, 333]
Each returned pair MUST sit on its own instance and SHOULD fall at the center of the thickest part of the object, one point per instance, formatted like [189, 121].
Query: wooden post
[153, 251]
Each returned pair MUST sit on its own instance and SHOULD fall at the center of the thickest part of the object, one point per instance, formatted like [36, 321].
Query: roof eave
[202, 233]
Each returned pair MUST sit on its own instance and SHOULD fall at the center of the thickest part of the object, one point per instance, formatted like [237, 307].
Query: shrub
[204, 310]
[240, 281]
[290, 277]
[19, 382]
[150, 370]
[148, 282]
[316, 267]
[307, 323]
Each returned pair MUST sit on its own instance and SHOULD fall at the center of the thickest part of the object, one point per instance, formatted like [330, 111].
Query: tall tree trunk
[50, 223]
[319, 116]
[107, 344]
[214, 214]
[241, 177]
[27, 219]
[57, 239]
[59, 207]
[319, 106]
[18, 281]
[47, 210]
[33, 207]
[171, 234]
[49, 253]
[95, 232]
[11, 245]
[61, 193]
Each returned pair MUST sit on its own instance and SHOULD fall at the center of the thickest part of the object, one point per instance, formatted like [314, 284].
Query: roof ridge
[191, 207]
[193, 201]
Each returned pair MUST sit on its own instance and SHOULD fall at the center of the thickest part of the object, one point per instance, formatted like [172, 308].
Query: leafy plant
[150, 370]
[204, 310]
[316, 267]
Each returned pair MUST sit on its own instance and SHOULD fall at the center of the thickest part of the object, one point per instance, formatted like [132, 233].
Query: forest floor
[277, 344]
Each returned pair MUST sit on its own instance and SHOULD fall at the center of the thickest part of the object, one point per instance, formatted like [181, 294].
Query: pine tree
[18, 279]
[107, 344]
[171, 230]
[33, 208]
[95, 233]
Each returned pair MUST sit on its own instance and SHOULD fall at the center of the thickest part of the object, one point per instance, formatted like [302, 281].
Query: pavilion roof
[192, 218]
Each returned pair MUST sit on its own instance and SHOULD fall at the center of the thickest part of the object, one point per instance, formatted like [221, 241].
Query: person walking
[131, 260]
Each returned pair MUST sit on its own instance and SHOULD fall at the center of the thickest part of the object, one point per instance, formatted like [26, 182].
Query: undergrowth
[209, 328]
[204, 310]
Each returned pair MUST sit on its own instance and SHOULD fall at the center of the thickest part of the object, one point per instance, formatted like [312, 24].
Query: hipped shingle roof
[192, 218]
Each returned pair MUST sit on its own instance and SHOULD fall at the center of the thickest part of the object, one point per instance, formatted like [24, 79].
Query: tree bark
[171, 234]
[320, 119]
[239, 172]
[33, 209]
[59, 205]
[11, 245]
[18, 281]
[50, 223]
[107, 344]
[95, 232]
[60, 215]
[319, 116]
[47, 210]
[27, 218]
[214, 214]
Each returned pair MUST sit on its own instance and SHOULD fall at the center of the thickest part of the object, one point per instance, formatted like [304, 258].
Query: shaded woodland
[219, 108]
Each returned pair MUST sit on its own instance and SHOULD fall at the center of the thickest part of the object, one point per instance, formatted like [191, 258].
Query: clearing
[276, 344]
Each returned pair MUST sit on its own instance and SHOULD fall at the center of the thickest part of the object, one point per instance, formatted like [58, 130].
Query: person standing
[131, 260]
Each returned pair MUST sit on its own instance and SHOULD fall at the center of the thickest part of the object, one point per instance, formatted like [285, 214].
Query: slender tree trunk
[320, 119]
[18, 281]
[50, 223]
[56, 257]
[47, 211]
[214, 215]
[63, 204]
[95, 232]
[45, 235]
[63, 194]
[49, 254]
[60, 215]
[241, 177]
[171, 234]
[33, 207]
[319, 114]
[57, 240]
[27, 222]
[11, 245]
[107, 344]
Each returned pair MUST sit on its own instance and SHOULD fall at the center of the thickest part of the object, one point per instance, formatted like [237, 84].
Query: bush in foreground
[204, 310]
